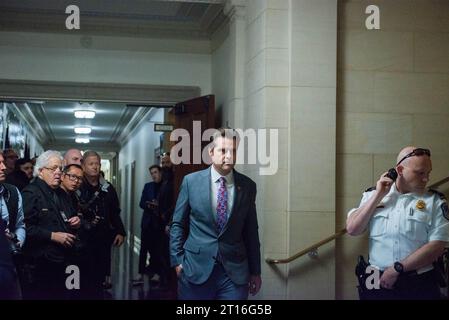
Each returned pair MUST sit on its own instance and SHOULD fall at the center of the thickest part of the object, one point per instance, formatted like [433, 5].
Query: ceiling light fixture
[83, 130]
[84, 114]
[82, 140]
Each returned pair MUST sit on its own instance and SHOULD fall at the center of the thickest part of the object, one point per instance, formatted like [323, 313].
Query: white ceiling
[139, 18]
[53, 123]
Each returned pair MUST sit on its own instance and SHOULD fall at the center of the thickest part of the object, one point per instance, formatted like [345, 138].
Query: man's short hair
[68, 167]
[91, 153]
[155, 166]
[225, 132]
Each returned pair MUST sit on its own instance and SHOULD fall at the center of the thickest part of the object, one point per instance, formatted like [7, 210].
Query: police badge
[420, 205]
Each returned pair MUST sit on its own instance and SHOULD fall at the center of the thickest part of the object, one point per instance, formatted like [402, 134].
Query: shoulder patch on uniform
[370, 189]
[445, 210]
[440, 194]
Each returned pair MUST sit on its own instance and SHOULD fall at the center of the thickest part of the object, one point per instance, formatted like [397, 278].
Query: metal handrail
[307, 250]
[332, 237]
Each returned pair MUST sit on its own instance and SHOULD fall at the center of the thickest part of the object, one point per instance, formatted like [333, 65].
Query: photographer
[72, 177]
[12, 215]
[8, 276]
[49, 223]
[101, 210]
[71, 180]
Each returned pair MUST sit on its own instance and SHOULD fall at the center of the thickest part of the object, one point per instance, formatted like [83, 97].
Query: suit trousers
[218, 287]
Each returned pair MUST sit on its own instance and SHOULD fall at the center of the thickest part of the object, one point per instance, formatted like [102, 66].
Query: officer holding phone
[408, 229]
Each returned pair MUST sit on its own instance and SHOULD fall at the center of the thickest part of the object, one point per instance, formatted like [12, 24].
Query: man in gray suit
[214, 240]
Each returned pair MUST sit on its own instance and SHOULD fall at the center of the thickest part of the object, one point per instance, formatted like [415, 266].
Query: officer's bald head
[404, 152]
[73, 156]
[413, 166]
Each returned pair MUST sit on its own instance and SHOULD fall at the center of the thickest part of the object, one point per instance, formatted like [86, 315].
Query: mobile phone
[392, 174]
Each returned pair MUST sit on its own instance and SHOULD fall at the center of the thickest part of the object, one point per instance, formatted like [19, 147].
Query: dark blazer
[238, 243]
[108, 206]
[149, 218]
[42, 217]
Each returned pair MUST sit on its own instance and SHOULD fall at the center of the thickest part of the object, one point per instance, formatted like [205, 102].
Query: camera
[16, 249]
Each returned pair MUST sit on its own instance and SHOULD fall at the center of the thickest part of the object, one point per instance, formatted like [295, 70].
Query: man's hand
[153, 204]
[255, 282]
[178, 270]
[63, 238]
[95, 220]
[384, 184]
[75, 222]
[389, 278]
[9, 235]
[119, 239]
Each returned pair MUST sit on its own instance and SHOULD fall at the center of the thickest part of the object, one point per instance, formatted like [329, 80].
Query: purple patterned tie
[222, 204]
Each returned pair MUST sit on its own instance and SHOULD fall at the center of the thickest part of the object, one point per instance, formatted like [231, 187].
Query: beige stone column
[291, 87]
[313, 66]
[236, 12]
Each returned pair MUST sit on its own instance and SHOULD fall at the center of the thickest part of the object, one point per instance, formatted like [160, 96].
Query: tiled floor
[150, 290]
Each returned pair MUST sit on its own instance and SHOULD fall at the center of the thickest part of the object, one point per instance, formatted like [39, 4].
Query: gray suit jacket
[194, 240]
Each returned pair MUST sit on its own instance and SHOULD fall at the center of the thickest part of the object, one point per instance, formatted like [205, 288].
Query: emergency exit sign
[163, 127]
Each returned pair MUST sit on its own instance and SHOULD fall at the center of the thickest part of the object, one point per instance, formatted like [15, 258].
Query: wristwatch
[399, 267]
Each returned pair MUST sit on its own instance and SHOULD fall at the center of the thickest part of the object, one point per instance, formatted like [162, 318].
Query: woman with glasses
[49, 221]
[408, 230]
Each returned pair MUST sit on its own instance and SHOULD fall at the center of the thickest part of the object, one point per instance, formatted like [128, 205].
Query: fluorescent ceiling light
[83, 130]
[82, 140]
[84, 114]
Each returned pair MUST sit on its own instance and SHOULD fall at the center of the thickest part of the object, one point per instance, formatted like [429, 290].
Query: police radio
[392, 174]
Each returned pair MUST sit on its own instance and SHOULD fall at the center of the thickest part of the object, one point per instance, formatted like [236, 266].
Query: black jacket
[42, 208]
[18, 178]
[105, 205]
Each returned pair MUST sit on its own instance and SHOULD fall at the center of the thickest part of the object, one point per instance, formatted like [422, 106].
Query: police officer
[408, 229]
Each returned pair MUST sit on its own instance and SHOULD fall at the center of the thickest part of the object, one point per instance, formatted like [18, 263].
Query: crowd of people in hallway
[67, 215]
[206, 244]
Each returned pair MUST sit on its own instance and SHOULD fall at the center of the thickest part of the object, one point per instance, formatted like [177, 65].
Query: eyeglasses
[53, 170]
[416, 152]
[73, 177]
